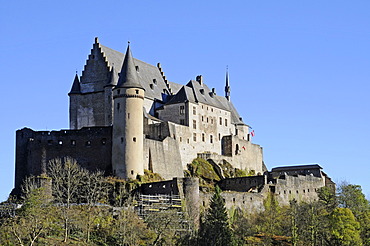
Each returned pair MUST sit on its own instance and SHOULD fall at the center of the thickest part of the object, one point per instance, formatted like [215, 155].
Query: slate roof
[147, 73]
[76, 87]
[294, 168]
[128, 76]
[151, 79]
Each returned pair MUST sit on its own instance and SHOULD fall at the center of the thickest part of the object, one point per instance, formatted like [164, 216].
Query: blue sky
[299, 70]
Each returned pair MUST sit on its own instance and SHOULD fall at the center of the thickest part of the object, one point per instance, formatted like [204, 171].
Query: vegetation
[88, 209]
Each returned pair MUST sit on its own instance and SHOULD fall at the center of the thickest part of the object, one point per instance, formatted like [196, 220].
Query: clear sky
[299, 70]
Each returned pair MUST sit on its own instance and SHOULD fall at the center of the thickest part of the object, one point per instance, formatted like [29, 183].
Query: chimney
[199, 79]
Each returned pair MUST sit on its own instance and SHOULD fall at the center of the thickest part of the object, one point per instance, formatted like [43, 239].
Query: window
[180, 139]
[134, 139]
[194, 110]
[154, 81]
[137, 68]
[207, 119]
[182, 122]
[220, 121]
[60, 142]
[88, 143]
[219, 137]
[73, 142]
[194, 124]
[151, 86]
[202, 118]
[132, 172]
[137, 91]
[121, 140]
[203, 137]
[211, 139]
[194, 137]
[118, 106]
[211, 120]
[225, 122]
[182, 109]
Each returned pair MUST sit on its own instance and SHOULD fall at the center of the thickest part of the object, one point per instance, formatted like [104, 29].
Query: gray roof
[296, 167]
[150, 77]
[76, 87]
[128, 77]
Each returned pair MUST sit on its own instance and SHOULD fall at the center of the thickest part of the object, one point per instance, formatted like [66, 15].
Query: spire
[76, 88]
[227, 87]
[113, 78]
[128, 76]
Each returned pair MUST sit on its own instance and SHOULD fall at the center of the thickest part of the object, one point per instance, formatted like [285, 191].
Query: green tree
[345, 229]
[214, 228]
[351, 196]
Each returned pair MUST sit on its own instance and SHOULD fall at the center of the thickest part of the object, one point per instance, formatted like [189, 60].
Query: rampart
[91, 147]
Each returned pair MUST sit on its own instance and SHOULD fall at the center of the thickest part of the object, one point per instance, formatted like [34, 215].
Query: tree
[345, 229]
[67, 177]
[214, 228]
[351, 196]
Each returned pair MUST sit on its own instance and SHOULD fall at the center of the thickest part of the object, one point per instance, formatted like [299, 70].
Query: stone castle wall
[91, 147]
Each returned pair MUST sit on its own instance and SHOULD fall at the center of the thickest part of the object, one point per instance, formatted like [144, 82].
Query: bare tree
[67, 180]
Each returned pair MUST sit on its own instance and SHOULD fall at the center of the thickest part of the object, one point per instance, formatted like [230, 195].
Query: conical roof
[128, 78]
[113, 78]
[76, 88]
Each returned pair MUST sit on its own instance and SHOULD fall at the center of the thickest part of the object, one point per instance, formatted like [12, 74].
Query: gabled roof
[185, 94]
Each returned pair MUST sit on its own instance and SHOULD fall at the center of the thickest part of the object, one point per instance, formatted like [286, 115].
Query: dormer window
[154, 81]
[202, 91]
[151, 86]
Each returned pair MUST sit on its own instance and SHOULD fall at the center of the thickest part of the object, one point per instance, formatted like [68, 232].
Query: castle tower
[227, 87]
[128, 137]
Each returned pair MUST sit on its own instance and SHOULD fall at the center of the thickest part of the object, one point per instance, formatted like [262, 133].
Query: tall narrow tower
[227, 87]
[127, 147]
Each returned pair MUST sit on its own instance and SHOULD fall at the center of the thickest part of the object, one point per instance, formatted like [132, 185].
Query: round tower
[128, 136]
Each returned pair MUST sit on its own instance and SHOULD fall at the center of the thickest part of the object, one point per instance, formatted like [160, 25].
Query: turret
[227, 87]
[128, 137]
[73, 102]
[108, 97]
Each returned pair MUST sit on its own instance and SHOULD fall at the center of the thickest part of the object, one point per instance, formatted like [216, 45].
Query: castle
[126, 116]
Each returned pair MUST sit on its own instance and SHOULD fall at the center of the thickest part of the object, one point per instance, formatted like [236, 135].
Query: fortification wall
[300, 187]
[91, 147]
[163, 157]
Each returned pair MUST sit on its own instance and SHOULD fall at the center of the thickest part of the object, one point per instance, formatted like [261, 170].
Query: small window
[202, 118]
[154, 81]
[88, 143]
[151, 86]
[194, 110]
[180, 139]
[121, 140]
[137, 91]
[134, 139]
[194, 137]
[211, 139]
[137, 68]
[211, 120]
[225, 122]
[118, 106]
[60, 142]
[220, 121]
[188, 140]
[182, 110]
[203, 137]
[219, 137]
[194, 124]
[73, 142]
[207, 119]
[182, 122]
[132, 172]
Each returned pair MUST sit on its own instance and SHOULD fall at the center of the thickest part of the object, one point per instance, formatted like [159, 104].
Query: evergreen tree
[215, 229]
